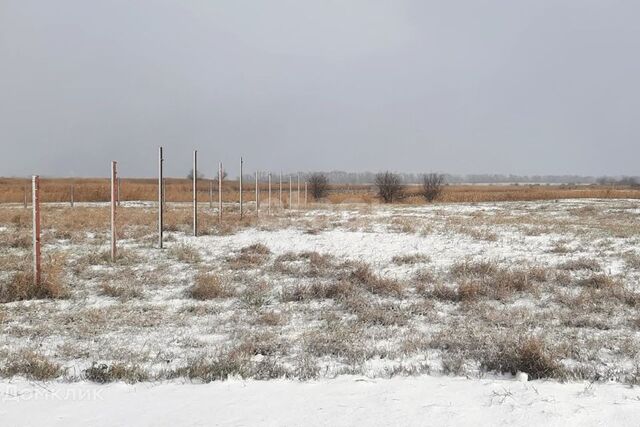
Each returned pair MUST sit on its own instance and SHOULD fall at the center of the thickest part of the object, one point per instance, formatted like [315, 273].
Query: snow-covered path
[347, 400]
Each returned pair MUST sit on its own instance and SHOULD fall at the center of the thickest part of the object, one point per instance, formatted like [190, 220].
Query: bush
[318, 185]
[389, 186]
[432, 186]
[530, 355]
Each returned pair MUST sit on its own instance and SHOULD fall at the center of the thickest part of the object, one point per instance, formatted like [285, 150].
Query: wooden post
[195, 193]
[220, 177]
[290, 191]
[241, 162]
[35, 192]
[71, 194]
[114, 176]
[160, 198]
[269, 193]
[257, 196]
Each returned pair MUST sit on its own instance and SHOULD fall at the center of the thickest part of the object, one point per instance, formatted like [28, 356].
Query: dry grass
[180, 190]
[251, 256]
[21, 285]
[103, 373]
[31, 365]
[530, 354]
[363, 276]
[210, 286]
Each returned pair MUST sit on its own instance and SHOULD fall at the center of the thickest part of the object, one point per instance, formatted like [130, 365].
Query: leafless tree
[318, 185]
[389, 186]
[190, 175]
[432, 184]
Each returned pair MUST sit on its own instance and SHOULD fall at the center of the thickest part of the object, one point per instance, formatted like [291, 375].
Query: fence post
[160, 197]
[195, 193]
[257, 196]
[71, 193]
[35, 191]
[290, 191]
[241, 162]
[269, 193]
[211, 194]
[114, 190]
[280, 195]
[305, 194]
[220, 177]
[298, 194]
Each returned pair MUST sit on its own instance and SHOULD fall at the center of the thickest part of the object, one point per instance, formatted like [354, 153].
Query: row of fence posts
[115, 202]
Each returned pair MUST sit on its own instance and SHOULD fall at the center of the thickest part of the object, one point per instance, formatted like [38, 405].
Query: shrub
[318, 185]
[389, 186]
[103, 373]
[432, 186]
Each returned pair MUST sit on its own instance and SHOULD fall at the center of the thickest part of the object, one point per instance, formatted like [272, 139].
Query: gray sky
[476, 86]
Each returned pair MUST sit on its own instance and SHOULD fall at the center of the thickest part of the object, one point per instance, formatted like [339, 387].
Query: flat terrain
[549, 288]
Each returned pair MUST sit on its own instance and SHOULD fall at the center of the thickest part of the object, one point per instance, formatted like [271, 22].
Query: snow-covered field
[404, 297]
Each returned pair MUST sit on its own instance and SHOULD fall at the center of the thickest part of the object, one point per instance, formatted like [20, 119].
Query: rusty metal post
[114, 190]
[160, 198]
[35, 191]
[269, 193]
[195, 192]
[220, 177]
[241, 212]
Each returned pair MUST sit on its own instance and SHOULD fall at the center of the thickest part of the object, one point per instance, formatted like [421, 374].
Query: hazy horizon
[535, 87]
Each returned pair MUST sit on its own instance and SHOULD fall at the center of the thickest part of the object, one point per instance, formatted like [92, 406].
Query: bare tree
[389, 186]
[432, 184]
[190, 175]
[318, 185]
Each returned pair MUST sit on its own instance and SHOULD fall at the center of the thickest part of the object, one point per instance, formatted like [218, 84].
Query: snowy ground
[345, 401]
[478, 291]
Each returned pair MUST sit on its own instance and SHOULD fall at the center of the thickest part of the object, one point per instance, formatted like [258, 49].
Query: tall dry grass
[14, 190]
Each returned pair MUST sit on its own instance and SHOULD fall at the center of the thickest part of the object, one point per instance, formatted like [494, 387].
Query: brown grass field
[14, 190]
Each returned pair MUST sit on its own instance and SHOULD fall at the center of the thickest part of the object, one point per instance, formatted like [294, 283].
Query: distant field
[179, 190]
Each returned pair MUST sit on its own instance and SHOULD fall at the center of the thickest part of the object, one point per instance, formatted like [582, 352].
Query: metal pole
[113, 210]
[280, 190]
[220, 175]
[35, 191]
[160, 197]
[298, 194]
[241, 162]
[195, 192]
[257, 196]
[211, 194]
[269, 193]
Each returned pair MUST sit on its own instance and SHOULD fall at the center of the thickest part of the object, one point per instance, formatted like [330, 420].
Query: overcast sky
[476, 86]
